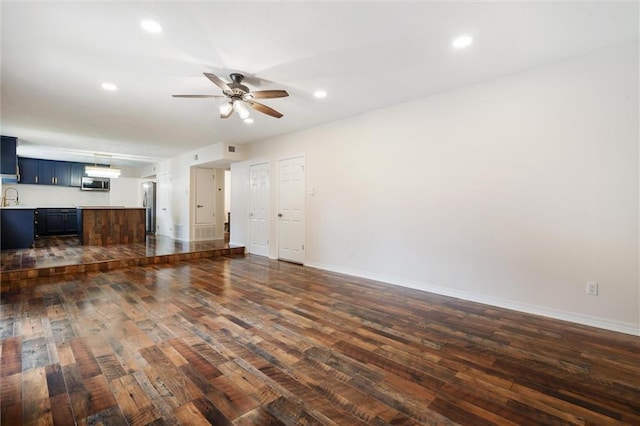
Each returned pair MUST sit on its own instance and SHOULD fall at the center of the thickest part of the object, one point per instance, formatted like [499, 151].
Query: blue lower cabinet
[52, 221]
[18, 228]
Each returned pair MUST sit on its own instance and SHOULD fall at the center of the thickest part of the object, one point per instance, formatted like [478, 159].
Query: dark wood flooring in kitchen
[63, 254]
[249, 340]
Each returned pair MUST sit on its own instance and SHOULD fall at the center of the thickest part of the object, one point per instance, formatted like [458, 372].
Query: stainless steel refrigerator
[149, 203]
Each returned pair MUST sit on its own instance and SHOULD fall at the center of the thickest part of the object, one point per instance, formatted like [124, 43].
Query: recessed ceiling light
[462, 42]
[151, 26]
[248, 120]
[320, 94]
[109, 86]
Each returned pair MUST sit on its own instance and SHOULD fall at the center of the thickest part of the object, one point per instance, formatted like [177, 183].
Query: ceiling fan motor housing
[237, 88]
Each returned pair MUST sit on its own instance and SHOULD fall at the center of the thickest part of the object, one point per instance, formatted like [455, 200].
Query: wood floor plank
[62, 330]
[11, 389]
[85, 360]
[11, 361]
[259, 416]
[251, 384]
[249, 340]
[196, 361]
[159, 403]
[110, 366]
[288, 412]
[137, 407]
[229, 398]
[100, 394]
[11, 414]
[55, 380]
[174, 386]
[36, 406]
[189, 414]
[211, 412]
[35, 353]
[61, 410]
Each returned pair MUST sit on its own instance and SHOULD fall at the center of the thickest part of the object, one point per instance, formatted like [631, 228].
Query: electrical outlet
[592, 288]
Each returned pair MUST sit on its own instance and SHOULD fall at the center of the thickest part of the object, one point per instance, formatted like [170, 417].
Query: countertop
[18, 208]
[109, 208]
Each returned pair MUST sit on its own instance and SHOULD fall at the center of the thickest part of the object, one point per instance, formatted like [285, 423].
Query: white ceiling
[366, 55]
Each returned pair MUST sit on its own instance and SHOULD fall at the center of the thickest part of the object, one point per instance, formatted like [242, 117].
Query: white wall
[515, 192]
[179, 169]
[126, 192]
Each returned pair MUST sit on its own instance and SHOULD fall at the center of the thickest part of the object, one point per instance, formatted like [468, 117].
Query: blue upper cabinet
[28, 170]
[62, 173]
[8, 158]
[46, 172]
[77, 171]
[50, 172]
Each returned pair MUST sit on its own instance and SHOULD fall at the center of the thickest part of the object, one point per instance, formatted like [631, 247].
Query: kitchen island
[101, 226]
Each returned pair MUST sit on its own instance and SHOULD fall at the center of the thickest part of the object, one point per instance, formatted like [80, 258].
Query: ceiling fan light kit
[239, 107]
[226, 109]
[239, 97]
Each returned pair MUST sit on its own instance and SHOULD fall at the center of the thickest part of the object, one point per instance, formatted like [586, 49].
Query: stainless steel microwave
[95, 184]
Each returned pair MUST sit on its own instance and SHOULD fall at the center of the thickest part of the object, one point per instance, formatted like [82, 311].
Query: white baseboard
[607, 324]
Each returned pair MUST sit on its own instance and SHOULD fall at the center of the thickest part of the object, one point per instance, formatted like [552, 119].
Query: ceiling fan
[240, 96]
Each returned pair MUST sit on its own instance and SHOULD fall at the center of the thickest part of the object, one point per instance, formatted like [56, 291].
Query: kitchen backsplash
[124, 192]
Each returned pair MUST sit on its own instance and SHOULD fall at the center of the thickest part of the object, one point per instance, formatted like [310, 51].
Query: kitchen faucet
[5, 200]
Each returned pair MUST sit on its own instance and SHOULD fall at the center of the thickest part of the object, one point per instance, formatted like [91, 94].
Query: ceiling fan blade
[198, 96]
[267, 94]
[218, 82]
[264, 109]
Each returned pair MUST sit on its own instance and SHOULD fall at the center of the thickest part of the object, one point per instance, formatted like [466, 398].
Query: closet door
[291, 209]
[259, 178]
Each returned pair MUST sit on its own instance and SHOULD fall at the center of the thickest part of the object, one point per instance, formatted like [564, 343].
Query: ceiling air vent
[231, 148]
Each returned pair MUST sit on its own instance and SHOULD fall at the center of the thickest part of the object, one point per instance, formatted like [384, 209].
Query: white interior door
[205, 196]
[163, 202]
[259, 209]
[291, 198]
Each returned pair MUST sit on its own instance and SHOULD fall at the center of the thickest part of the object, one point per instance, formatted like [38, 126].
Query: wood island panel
[106, 226]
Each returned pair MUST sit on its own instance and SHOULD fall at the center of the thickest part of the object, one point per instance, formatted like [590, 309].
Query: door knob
[279, 214]
[199, 205]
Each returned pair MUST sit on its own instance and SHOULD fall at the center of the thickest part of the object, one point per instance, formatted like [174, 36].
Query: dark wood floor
[253, 341]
